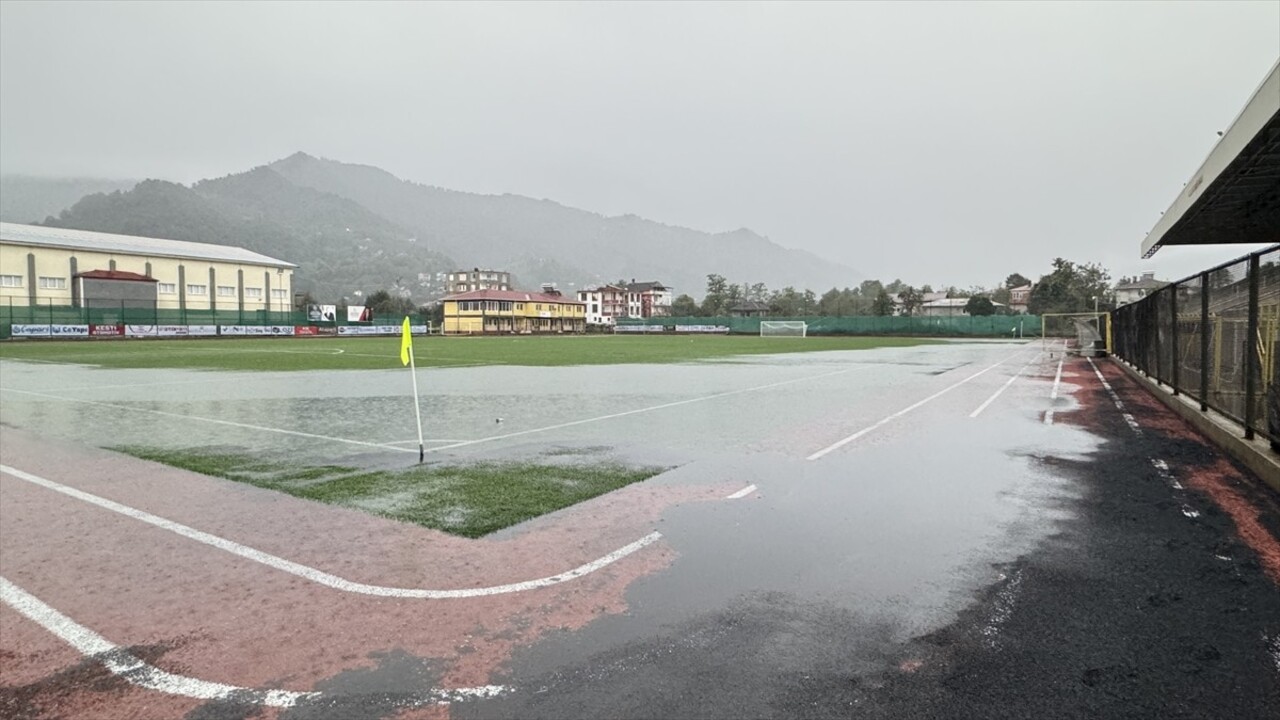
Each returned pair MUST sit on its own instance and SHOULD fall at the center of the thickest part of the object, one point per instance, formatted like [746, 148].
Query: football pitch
[291, 354]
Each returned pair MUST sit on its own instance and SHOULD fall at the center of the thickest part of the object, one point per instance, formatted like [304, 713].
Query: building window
[166, 288]
[226, 290]
[53, 283]
[279, 294]
[253, 292]
[197, 289]
[10, 281]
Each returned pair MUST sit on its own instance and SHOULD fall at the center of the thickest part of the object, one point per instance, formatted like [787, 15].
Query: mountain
[521, 234]
[356, 228]
[340, 247]
[26, 199]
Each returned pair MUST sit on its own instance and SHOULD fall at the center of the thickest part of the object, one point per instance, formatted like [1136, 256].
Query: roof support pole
[1251, 359]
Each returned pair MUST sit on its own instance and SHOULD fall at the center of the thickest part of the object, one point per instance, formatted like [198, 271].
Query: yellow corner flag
[406, 342]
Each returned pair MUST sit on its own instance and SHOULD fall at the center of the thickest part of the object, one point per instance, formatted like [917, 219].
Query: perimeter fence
[1213, 337]
[957, 326]
[134, 313]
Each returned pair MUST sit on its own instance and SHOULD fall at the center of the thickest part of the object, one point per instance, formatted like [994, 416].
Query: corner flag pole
[406, 358]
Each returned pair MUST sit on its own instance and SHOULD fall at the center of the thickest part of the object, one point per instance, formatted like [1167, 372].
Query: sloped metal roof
[1234, 196]
[39, 235]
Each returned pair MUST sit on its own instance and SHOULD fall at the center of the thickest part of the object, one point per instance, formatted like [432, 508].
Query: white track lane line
[663, 406]
[741, 493]
[121, 662]
[246, 426]
[841, 443]
[1002, 388]
[319, 576]
[1129, 419]
[1057, 380]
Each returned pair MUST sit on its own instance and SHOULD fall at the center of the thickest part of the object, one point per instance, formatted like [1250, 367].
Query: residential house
[508, 311]
[1019, 298]
[749, 308]
[605, 303]
[648, 299]
[950, 307]
[1130, 290]
[900, 307]
[461, 281]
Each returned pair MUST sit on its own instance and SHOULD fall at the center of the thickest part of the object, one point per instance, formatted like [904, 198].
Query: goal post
[1076, 332]
[783, 328]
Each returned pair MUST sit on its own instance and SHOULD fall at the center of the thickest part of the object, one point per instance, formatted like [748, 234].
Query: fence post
[1177, 365]
[1204, 342]
[1251, 361]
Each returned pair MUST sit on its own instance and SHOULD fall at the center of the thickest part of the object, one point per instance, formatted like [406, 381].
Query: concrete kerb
[1254, 454]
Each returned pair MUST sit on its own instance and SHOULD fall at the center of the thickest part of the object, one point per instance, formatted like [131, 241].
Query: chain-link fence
[958, 326]
[1213, 337]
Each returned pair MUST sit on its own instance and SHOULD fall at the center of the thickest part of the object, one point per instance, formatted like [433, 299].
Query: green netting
[978, 326]
[68, 315]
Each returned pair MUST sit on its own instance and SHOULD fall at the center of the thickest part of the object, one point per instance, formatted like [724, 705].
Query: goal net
[783, 328]
[1088, 333]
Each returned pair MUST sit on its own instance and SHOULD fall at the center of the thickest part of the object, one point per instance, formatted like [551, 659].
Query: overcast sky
[940, 143]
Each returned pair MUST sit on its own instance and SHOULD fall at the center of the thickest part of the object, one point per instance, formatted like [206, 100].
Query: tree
[684, 306]
[1071, 288]
[1001, 295]
[1016, 280]
[829, 303]
[758, 293]
[384, 303]
[980, 305]
[883, 304]
[714, 303]
[926, 289]
[911, 300]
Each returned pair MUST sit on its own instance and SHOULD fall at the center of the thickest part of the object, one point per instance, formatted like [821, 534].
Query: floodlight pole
[417, 411]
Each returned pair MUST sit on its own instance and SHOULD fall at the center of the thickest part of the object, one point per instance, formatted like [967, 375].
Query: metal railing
[1213, 337]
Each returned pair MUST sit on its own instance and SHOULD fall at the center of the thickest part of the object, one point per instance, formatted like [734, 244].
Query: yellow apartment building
[44, 265]
[509, 311]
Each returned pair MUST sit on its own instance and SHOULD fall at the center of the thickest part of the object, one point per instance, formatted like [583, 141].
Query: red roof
[115, 275]
[515, 295]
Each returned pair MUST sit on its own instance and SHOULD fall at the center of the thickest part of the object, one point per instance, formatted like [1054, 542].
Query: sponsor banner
[140, 330]
[326, 330]
[305, 330]
[380, 330]
[171, 331]
[702, 328]
[359, 313]
[242, 330]
[278, 330]
[322, 313]
[106, 330]
[640, 328]
[202, 330]
[30, 330]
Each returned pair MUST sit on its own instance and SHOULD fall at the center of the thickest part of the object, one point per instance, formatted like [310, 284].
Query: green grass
[467, 500]
[272, 354]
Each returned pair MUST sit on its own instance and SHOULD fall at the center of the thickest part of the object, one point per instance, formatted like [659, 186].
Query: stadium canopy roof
[1234, 196]
[40, 235]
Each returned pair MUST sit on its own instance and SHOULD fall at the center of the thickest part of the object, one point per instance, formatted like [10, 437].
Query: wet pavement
[960, 557]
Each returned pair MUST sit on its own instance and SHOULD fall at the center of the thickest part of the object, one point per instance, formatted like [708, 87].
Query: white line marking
[1129, 419]
[230, 423]
[1048, 416]
[1003, 387]
[123, 663]
[1057, 379]
[319, 576]
[741, 493]
[644, 410]
[841, 443]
